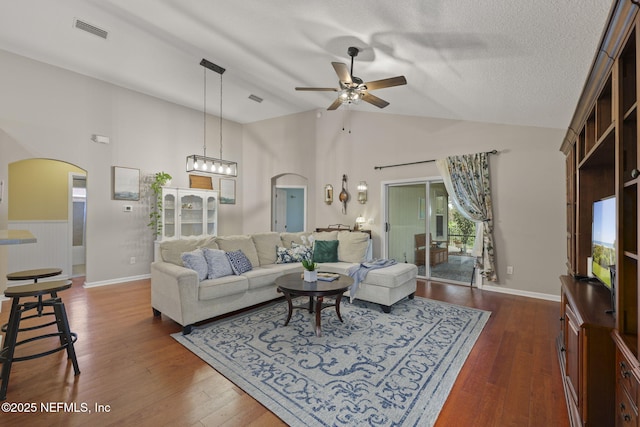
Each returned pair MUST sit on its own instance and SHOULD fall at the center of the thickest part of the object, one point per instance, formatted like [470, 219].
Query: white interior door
[280, 210]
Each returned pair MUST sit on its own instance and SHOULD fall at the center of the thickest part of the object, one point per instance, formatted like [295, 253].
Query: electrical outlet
[127, 208]
[132, 260]
[509, 269]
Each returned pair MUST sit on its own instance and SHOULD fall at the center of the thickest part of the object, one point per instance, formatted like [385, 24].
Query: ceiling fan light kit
[197, 163]
[352, 89]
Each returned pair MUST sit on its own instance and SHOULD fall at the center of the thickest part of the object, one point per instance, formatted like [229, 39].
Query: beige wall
[153, 135]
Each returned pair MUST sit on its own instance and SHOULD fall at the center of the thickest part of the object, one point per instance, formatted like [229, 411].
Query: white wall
[49, 112]
[285, 145]
[527, 179]
[9, 152]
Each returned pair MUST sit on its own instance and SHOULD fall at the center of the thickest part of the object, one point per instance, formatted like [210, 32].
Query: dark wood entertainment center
[598, 350]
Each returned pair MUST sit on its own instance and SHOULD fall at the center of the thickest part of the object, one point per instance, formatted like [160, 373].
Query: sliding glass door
[407, 223]
[423, 228]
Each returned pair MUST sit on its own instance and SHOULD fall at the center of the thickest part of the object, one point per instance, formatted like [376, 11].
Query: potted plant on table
[310, 272]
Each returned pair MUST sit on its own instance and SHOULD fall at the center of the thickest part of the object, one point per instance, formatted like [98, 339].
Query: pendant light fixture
[204, 164]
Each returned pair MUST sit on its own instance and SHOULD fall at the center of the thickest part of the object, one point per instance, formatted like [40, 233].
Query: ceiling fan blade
[380, 84]
[342, 71]
[335, 104]
[372, 99]
[327, 89]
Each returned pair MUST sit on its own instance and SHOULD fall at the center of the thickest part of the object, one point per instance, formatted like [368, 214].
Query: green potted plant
[310, 272]
[155, 216]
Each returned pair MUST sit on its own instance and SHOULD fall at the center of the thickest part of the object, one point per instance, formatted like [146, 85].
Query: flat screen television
[603, 241]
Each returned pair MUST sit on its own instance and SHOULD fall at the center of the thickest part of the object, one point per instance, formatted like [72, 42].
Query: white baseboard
[115, 281]
[510, 291]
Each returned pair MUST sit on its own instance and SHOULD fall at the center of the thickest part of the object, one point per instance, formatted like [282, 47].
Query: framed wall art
[227, 191]
[198, 181]
[126, 183]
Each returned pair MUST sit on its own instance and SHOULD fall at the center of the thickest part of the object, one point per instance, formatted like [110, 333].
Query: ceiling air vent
[255, 98]
[85, 26]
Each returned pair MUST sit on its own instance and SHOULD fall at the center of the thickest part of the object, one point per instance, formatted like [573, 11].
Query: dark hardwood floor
[143, 377]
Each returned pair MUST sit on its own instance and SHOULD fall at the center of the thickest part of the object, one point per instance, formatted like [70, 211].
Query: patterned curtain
[466, 179]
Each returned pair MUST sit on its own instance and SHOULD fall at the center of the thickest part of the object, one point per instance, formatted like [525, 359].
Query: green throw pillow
[325, 251]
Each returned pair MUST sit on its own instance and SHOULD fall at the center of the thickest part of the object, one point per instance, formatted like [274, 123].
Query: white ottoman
[388, 285]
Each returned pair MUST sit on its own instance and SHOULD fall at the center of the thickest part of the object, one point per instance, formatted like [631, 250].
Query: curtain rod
[421, 161]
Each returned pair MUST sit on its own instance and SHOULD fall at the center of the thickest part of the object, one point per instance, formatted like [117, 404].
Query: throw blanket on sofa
[359, 272]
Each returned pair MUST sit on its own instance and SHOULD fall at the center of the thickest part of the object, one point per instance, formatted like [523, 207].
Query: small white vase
[310, 276]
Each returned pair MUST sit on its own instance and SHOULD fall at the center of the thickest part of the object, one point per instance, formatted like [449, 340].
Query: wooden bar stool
[34, 275]
[11, 329]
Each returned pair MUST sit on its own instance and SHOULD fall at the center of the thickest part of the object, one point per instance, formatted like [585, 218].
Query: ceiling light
[196, 162]
[350, 95]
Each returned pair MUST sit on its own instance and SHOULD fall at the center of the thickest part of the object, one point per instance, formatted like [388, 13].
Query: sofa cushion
[217, 263]
[287, 238]
[261, 277]
[222, 287]
[240, 242]
[353, 246]
[196, 262]
[325, 251]
[172, 250]
[325, 235]
[336, 267]
[239, 262]
[293, 267]
[266, 244]
[392, 276]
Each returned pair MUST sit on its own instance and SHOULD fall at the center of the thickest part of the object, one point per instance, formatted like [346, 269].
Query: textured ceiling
[501, 61]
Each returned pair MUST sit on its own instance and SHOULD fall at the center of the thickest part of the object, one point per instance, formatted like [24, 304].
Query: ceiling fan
[352, 89]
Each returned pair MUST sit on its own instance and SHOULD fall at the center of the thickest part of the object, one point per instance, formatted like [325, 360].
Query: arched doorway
[289, 203]
[41, 199]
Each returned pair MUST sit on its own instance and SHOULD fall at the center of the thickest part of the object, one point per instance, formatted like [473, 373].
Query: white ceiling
[518, 62]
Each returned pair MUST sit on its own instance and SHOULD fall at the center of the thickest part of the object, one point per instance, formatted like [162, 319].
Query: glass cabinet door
[212, 215]
[169, 215]
[191, 215]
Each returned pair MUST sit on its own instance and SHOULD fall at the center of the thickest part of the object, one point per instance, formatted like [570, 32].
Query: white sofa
[178, 292]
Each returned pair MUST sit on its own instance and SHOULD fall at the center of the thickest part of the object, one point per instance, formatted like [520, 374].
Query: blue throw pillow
[284, 255]
[301, 251]
[296, 254]
[239, 262]
[217, 263]
[195, 261]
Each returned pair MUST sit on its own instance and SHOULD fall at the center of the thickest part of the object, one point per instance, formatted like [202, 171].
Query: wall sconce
[362, 192]
[328, 194]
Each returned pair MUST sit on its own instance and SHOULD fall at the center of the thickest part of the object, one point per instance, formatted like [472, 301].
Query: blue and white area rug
[375, 369]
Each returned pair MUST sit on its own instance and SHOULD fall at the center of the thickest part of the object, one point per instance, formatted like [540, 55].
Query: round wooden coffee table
[292, 285]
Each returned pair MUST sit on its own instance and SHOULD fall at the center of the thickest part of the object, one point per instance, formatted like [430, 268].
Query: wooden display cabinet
[587, 353]
[602, 161]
